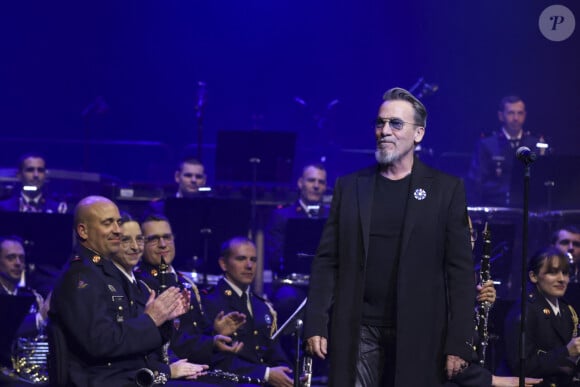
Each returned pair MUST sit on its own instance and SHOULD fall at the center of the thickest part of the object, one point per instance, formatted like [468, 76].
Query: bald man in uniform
[108, 337]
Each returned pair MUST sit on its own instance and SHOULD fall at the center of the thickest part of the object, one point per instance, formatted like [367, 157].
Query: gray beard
[385, 158]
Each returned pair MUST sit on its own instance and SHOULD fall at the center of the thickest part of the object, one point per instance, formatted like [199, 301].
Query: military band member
[233, 293]
[195, 338]
[31, 196]
[109, 338]
[552, 345]
[12, 268]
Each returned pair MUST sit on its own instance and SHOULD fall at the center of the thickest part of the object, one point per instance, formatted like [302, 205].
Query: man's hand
[317, 345]
[512, 381]
[574, 346]
[278, 377]
[183, 369]
[486, 292]
[45, 307]
[167, 306]
[229, 323]
[226, 344]
[454, 365]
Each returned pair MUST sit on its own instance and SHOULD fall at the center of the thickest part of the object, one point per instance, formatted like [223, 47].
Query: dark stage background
[123, 76]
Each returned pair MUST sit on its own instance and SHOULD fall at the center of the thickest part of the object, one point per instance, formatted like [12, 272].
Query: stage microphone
[525, 155]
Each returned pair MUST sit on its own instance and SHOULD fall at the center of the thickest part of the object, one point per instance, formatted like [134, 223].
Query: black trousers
[376, 357]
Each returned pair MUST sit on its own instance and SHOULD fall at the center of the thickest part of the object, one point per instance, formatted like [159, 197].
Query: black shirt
[389, 203]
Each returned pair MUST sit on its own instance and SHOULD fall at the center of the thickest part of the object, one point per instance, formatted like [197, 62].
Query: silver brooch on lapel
[420, 194]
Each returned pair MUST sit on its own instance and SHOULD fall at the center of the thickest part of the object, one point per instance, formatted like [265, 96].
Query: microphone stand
[254, 161]
[298, 332]
[523, 297]
[201, 91]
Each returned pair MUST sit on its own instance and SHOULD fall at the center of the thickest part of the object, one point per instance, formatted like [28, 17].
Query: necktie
[245, 307]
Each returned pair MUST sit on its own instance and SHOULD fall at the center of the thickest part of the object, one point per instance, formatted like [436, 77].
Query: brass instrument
[29, 358]
[482, 311]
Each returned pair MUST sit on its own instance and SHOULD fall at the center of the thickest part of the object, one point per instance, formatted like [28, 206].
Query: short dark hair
[317, 165]
[188, 160]
[569, 227]
[11, 238]
[154, 217]
[228, 246]
[126, 217]
[548, 254]
[28, 156]
[509, 99]
[400, 94]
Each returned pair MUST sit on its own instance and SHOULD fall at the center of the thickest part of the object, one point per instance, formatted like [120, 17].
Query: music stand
[294, 326]
[201, 225]
[554, 183]
[48, 237]
[301, 239]
[272, 152]
[18, 307]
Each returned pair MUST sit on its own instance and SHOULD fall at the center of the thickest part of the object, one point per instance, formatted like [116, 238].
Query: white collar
[236, 289]
[555, 308]
[130, 277]
[507, 135]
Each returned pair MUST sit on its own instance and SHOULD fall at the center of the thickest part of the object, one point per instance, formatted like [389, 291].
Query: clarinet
[163, 269]
[482, 312]
[307, 371]
[232, 377]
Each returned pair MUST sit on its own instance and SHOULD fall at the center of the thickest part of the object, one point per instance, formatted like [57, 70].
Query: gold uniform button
[96, 259]
[120, 307]
[235, 333]
[195, 323]
[108, 364]
[131, 302]
[257, 347]
[261, 360]
[255, 333]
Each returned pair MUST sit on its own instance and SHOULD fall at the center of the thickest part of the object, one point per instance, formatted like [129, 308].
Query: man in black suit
[30, 197]
[394, 262]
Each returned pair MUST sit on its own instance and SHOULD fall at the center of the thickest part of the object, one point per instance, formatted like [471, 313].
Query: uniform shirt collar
[130, 277]
[236, 289]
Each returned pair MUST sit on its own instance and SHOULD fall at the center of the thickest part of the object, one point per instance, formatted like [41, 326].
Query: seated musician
[132, 242]
[110, 332]
[194, 339]
[189, 176]
[232, 293]
[312, 186]
[31, 196]
[476, 375]
[12, 268]
[552, 345]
